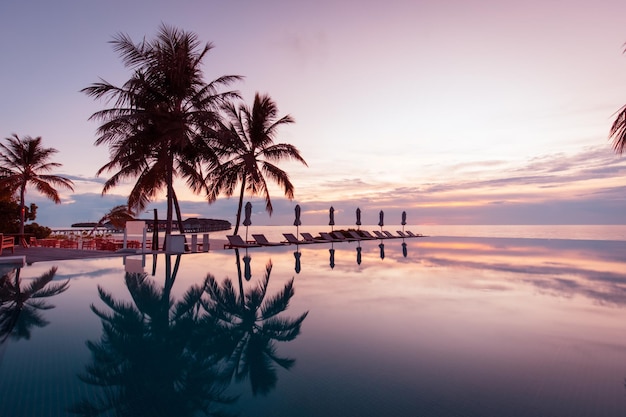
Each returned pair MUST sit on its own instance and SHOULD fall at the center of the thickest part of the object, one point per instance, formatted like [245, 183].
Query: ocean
[577, 232]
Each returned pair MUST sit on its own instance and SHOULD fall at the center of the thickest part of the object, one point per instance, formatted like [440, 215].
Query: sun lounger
[356, 236]
[402, 234]
[408, 232]
[291, 238]
[235, 241]
[262, 240]
[309, 238]
[367, 234]
[389, 234]
[329, 238]
[341, 237]
[380, 235]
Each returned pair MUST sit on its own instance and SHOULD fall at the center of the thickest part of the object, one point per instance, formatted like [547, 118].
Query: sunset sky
[459, 112]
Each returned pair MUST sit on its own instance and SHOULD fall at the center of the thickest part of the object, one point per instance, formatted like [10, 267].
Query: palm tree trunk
[22, 209]
[170, 193]
[243, 188]
[241, 296]
[181, 226]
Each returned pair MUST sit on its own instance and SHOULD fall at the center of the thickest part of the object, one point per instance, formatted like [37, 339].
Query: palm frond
[278, 302]
[618, 131]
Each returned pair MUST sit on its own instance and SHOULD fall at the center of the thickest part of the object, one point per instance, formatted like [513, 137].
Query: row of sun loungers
[236, 241]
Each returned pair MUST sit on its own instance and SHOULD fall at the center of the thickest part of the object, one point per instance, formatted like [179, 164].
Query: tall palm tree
[163, 117]
[247, 143]
[25, 162]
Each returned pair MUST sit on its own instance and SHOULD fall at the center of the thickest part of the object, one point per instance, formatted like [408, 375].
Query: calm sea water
[435, 326]
[580, 232]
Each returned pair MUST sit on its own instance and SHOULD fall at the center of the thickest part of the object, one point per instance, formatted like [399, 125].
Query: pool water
[422, 327]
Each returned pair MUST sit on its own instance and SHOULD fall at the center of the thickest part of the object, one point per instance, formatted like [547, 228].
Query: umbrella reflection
[358, 255]
[382, 250]
[404, 250]
[247, 272]
[332, 257]
[298, 267]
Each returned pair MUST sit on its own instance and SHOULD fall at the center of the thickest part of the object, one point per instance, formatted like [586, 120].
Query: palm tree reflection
[150, 358]
[248, 325]
[20, 306]
[162, 357]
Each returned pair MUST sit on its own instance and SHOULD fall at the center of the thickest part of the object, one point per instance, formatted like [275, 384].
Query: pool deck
[39, 254]
[44, 254]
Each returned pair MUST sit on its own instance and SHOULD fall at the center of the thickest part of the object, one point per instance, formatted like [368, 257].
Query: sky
[455, 111]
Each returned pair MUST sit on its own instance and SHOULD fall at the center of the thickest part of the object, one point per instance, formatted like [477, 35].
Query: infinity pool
[424, 327]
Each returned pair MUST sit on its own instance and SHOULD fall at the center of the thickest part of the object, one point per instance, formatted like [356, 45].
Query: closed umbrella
[246, 221]
[358, 217]
[403, 223]
[381, 222]
[297, 221]
[297, 255]
[247, 272]
[331, 214]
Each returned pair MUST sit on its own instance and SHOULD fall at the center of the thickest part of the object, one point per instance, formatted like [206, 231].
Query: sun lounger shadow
[262, 240]
[235, 241]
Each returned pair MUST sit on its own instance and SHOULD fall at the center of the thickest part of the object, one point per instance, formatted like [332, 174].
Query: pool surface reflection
[422, 327]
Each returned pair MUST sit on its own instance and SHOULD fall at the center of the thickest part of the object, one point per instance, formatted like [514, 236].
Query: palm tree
[250, 152]
[163, 117]
[25, 162]
[118, 216]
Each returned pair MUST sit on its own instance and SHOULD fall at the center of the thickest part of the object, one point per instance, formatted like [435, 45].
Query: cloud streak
[581, 188]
